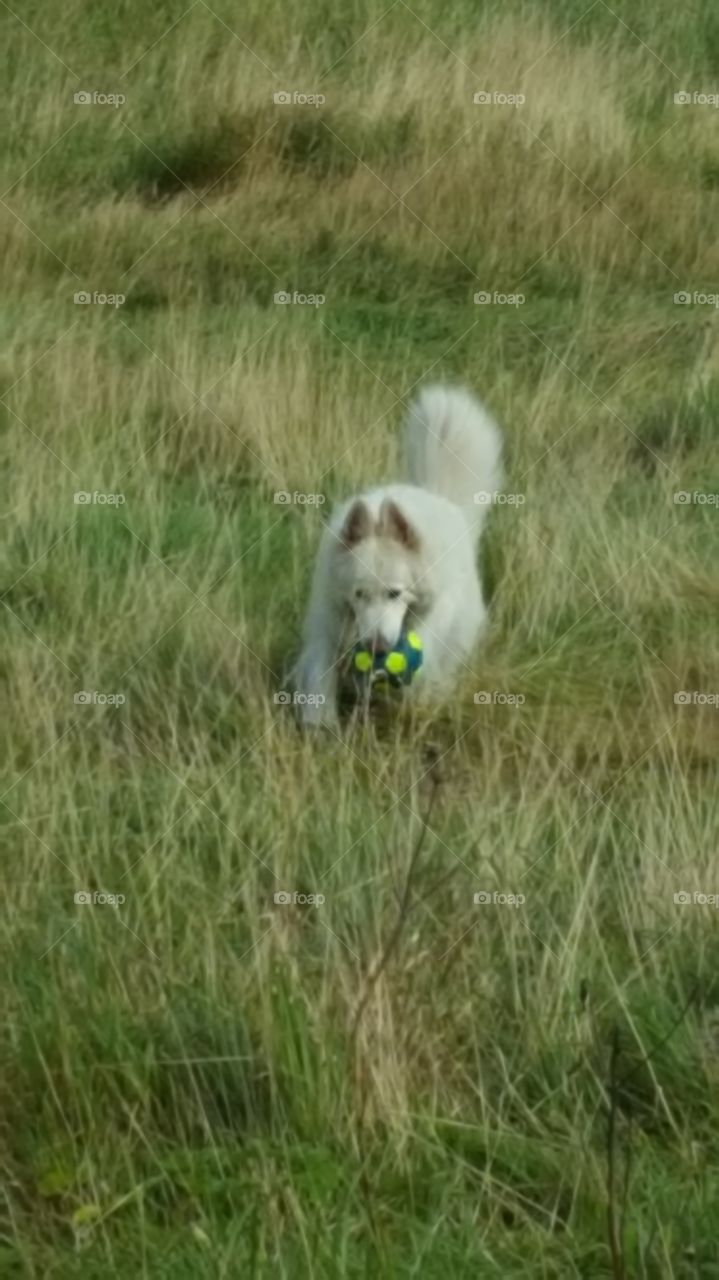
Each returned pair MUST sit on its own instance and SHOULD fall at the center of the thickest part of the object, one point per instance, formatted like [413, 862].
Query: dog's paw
[314, 719]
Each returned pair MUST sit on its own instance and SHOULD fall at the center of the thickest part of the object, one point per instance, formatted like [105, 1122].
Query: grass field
[198, 1081]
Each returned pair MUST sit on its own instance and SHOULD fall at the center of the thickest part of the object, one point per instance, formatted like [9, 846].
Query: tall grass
[204, 1081]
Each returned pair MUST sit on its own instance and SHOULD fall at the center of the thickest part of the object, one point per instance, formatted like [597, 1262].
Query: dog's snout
[379, 642]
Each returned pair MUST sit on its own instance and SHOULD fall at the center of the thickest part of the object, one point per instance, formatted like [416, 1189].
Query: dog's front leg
[316, 698]
[316, 670]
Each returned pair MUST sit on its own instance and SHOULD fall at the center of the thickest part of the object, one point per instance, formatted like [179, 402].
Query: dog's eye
[360, 593]
[394, 593]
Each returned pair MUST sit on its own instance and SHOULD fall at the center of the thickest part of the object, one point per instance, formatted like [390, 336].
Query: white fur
[417, 538]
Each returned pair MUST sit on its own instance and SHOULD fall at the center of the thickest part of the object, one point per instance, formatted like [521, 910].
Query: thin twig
[616, 1226]
[616, 1250]
[404, 909]
[365, 1184]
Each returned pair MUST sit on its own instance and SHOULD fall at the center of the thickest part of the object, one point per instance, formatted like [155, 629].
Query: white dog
[405, 555]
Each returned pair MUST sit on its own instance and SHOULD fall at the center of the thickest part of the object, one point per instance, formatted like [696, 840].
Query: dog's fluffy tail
[453, 447]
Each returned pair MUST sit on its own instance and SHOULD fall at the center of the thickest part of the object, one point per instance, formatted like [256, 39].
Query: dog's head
[378, 564]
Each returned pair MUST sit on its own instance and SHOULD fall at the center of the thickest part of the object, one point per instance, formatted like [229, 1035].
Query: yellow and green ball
[394, 668]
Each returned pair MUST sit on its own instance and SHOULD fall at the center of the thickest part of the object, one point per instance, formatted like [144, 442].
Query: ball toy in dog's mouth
[393, 667]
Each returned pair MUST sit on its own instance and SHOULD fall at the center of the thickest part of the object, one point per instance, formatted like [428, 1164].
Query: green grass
[398, 1082]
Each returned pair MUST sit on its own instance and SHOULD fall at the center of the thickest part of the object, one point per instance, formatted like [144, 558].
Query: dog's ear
[394, 524]
[357, 524]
